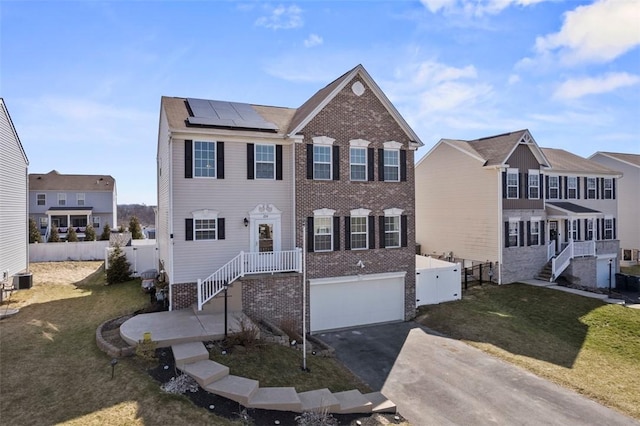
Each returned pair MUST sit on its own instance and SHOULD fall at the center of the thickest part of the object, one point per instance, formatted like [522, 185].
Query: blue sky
[83, 80]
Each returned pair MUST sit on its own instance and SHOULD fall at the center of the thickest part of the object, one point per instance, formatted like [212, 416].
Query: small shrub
[53, 236]
[316, 418]
[180, 385]
[72, 235]
[290, 327]
[146, 349]
[247, 336]
[244, 418]
[89, 233]
[118, 271]
[106, 233]
[135, 229]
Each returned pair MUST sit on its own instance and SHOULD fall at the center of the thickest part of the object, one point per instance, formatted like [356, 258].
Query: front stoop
[321, 399]
[206, 371]
[352, 402]
[186, 353]
[380, 403]
[280, 399]
[235, 388]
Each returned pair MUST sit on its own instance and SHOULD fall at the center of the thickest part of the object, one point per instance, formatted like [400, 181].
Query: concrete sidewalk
[605, 298]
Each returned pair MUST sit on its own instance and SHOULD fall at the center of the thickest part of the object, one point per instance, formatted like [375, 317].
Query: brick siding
[183, 295]
[275, 298]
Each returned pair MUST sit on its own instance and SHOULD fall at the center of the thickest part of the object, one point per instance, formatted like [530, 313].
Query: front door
[265, 237]
[553, 232]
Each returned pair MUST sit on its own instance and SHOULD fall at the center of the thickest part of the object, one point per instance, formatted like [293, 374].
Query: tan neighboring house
[504, 200]
[14, 241]
[628, 201]
[243, 187]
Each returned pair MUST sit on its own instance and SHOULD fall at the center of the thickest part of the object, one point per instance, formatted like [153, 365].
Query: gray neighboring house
[628, 201]
[60, 201]
[14, 243]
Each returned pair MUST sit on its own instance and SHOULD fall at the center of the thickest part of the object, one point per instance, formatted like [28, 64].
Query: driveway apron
[435, 380]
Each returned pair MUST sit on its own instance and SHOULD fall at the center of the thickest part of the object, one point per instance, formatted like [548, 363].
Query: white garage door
[357, 300]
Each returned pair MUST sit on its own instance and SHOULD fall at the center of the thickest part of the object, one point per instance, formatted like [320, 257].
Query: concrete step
[190, 352]
[353, 402]
[206, 371]
[321, 399]
[380, 403]
[235, 388]
[280, 399]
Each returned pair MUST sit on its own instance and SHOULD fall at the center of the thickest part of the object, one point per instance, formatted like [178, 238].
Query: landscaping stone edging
[108, 347]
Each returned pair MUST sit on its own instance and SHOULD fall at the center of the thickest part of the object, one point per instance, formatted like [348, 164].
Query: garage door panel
[352, 303]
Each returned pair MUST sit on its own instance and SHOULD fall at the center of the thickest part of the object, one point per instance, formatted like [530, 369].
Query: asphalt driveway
[435, 380]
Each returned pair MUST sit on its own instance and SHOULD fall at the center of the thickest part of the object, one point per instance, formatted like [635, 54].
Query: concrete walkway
[605, 298]
[435, 380]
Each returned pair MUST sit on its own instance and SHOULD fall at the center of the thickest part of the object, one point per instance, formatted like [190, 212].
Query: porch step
[353, 402]
[279, 399]
[190, 352]
[206, 371]
[546, 274]
[235, 388]
[380, 403]
[321, 399]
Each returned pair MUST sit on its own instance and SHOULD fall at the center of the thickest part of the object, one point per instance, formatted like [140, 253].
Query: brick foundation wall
[276, 298]
[183, 295]
[582, 271]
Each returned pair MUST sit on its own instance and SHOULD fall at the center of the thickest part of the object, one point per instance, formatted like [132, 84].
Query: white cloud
[313, 40]
[598, 33]
[474, 7]
[514, 78]
[577, 88]
[282, 18]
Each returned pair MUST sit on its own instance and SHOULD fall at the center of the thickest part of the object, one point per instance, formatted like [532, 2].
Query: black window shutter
[586, 228]
[188, 226]
[221, 233]
[506, 234]
[220, 160]
[560, 187]
[336, 163]
[601, 195]
[546, 187]
[278, 162]
[528, 232]
[309, 161]
[370, 164]
[542, 232]
[372, 231]
[526, 186]
[597, 225]
[381, 231]
[504, 184]
[336, 233]
[521, 230]
[403, 165]
[521, 185]
[404, 232]
[578, 225]
[188, 159]
[347, 232]
[310, 234]
[613, 188]
[614, 228]
[586, 191]
[566, 188]
[566, 230]
[250, 161]
[381, 165]
[578, 188]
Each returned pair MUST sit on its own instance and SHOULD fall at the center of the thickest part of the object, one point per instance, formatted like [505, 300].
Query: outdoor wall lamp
[245, 221]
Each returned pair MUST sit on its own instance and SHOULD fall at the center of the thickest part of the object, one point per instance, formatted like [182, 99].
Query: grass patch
[577, 342]
[630, 270]
[275, 365]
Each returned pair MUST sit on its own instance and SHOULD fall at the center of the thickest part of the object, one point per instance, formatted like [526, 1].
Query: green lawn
[577, 342]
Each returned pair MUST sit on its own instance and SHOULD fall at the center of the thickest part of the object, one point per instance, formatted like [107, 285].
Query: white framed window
[554, 187]
[573, 229]
[204, 229]
[41, 199]
[204, 159]
[96, 221]
[43, 222]
[535, 233]
[589, 230]
[591, 188]
[358, 163]
[391, 162]
[608, 188]
[62, 199]
[514, 233]
[512, 183]
[323, 233]
[359, 232]
[322, 162]
[80, 198]
[265, 161]
[608, 229]
[391, 231]
[572, 187]
[534, 185]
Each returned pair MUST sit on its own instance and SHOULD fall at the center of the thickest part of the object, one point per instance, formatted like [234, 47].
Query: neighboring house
[237, 183]
[14, 241]
[628, 200]
[61, 201]
[505, 200]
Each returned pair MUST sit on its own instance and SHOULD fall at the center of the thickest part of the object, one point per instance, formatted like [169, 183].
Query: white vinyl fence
[58, 252]
[141, 257]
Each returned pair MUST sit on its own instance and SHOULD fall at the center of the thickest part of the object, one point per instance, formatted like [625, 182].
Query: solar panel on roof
[227, 114]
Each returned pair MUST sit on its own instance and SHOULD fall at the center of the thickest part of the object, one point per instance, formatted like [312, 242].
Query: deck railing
[245, 264]
[573, 249]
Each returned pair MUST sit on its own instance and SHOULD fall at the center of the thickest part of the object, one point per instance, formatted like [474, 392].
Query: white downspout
[500, 226]
[170, 219]
[293, 193]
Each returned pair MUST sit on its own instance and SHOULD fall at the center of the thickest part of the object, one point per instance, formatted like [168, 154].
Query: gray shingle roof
[564, 161]
[570, 207]
[629, 158]
[53, 181]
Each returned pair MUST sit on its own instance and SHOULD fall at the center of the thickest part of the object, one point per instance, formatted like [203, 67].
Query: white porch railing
[573, 249]
[245, 264]
[551, 250]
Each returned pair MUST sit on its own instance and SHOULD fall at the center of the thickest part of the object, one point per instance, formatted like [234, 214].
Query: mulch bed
[232, 410]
